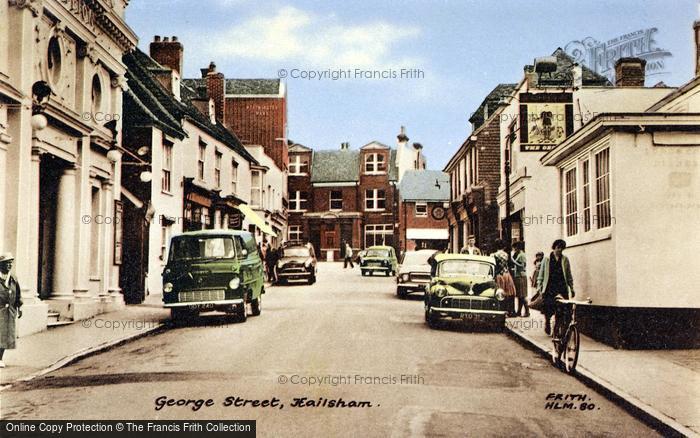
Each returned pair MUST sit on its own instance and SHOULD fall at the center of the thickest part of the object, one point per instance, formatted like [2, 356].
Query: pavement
[662, 387]
[49, 350]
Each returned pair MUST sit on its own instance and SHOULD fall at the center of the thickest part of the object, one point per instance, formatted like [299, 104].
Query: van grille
[201, 295]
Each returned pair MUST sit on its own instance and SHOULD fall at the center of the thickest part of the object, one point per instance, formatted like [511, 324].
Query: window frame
[331, 200]
[294, 232]
[166, 167]
[298, 201]
[375, 199]
[297, 164]
[218, 158]
[373, 161]
[201, 160]
[423, 205]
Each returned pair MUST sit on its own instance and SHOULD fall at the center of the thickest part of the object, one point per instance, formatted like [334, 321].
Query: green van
[213, 270]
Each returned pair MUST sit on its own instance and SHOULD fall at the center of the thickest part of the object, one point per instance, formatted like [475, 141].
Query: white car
[414, 272]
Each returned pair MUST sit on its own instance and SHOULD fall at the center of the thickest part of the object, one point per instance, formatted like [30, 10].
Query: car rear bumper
[376, 268]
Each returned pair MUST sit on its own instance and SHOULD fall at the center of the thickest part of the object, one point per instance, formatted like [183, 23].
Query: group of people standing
[551, 277]
[270, 255]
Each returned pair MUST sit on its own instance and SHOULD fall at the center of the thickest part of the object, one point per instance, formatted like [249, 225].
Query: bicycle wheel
[571, 349]
[558, 334]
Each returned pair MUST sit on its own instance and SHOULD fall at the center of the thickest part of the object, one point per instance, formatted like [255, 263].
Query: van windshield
[201, 247]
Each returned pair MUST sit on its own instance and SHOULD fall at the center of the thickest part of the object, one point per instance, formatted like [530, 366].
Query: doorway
[50, 170]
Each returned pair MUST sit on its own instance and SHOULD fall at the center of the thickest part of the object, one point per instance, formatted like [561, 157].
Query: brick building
[346, 195]
[255, 109]
[474, 173]
[424, 196]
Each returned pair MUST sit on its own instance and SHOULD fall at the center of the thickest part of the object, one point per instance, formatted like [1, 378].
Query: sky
[426, 65]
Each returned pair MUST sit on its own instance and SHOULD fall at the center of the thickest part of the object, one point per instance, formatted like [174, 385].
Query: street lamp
[41, 92]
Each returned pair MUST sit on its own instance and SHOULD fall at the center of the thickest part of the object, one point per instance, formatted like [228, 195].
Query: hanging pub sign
[546, 119]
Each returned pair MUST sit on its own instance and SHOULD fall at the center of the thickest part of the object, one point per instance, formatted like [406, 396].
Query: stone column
[84, 228]
[217, 218]
[29, 291]
[62, 297]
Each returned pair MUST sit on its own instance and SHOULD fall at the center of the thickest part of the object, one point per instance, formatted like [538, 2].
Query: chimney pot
[629, 72]
[402, 137]
[167, 53]
[212, 67]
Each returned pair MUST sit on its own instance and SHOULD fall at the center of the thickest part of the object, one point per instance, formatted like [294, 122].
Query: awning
[257, 220]
[427, 233]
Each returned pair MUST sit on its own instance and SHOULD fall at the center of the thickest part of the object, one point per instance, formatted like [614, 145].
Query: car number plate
[202, 306]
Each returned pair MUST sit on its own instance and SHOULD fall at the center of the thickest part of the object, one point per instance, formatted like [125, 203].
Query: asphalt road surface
[346, 337]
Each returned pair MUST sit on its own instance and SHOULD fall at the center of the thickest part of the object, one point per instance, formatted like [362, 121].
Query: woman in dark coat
[10, 305]
[554, 279]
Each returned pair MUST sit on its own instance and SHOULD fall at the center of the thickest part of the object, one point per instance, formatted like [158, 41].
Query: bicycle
[565, 336]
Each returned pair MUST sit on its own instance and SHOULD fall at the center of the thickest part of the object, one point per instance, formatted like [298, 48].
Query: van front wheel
[241, 312]
[257, 305]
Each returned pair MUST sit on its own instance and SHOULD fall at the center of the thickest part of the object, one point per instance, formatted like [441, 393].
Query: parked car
[414, 272]
[379, 258]
[213, 270]
[297, 262]
[464, 287]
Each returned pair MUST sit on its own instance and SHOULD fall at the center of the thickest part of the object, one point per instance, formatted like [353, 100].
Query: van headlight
[168, 287]
[405, 277]
[500, 295]
[440, 291]
[234, 283]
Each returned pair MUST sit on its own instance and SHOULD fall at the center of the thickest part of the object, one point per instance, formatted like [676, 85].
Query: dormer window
[298, 165]
[375, 163]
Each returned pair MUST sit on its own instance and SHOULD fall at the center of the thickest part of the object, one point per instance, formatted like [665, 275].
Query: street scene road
[346, 337]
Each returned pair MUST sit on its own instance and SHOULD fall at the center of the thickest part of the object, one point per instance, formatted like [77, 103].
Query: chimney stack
[629, 72]
[696, 27]
[216, 90]
[344, 146]
[167, 53]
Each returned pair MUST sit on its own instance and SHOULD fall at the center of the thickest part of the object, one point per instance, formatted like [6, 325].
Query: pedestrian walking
[520, 278]
[503, 278]
[348, 256]
[554, 279]
[471, 248]
[10, 305]
[538, 261]
[271, 258]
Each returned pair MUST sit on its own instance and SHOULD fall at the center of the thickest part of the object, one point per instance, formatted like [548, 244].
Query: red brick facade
[474, 210]
[260, 120]
[326, 228]
[409, 218]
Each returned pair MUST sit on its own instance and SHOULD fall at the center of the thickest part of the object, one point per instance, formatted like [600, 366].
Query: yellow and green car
[379, 259]
[213, 270]
[464, 287]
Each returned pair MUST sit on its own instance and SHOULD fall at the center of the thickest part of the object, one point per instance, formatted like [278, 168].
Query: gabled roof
[296, 147]
[490, 103]
[563, 75]
[375, 145]
[146, 103]
[425, 185]
[142, 68]
[253, 86]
